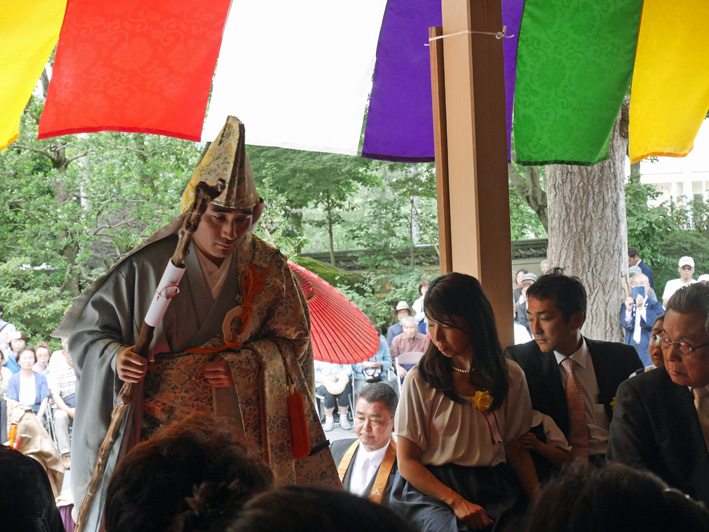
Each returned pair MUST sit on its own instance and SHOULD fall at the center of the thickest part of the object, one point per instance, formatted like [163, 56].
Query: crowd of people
[224, 430]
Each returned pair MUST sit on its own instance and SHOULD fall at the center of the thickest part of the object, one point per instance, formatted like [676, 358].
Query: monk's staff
[167, 289]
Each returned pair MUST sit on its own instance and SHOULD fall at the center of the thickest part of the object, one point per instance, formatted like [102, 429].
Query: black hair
[567, 293]
[189, 476]
[380, 391]
[27, 349]
[461, 296]
[304, 509]
[613, 498]
[633, 252]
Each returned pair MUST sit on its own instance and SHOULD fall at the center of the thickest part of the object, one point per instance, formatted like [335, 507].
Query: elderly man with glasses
[661, 419]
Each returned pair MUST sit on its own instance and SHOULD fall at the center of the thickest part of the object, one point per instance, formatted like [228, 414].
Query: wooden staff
[167, 289]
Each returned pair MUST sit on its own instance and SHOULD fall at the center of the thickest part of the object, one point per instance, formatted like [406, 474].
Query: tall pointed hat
[226, 159]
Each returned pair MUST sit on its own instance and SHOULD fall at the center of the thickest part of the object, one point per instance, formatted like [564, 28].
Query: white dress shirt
[364, 467]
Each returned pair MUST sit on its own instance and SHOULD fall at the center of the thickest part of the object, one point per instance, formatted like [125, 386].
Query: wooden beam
[476, 151]
[440, 139]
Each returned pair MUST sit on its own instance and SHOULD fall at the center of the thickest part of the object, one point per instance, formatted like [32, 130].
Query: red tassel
[299, 427]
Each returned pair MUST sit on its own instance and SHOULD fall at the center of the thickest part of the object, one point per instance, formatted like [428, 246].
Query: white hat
[403, 305]
[686, 261]
[703, 277]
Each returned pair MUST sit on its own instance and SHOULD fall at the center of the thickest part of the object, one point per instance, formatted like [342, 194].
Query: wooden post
[474, 151]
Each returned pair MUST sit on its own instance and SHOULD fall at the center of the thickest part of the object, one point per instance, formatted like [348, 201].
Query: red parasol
[341, 332]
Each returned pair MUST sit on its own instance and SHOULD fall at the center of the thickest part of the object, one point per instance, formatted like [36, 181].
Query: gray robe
[108, 317]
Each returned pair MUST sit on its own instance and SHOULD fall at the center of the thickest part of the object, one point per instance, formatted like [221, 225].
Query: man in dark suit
[661, 421]
[635, 260]
[572, 379]
[367, 465]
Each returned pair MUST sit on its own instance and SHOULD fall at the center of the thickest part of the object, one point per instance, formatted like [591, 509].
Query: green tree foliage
[75, 204]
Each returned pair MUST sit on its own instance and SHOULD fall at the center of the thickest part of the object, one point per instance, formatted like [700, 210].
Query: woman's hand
[218, 373]
[471, 514]
[130, 366]
[529, 441]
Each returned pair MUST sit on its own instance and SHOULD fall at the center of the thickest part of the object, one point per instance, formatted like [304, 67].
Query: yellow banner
[29, 30]
[670, 88]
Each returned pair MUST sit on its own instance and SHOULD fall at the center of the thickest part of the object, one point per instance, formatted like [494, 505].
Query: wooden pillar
[474, 151]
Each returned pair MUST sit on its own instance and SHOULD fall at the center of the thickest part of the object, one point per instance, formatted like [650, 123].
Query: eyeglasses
[684, 349]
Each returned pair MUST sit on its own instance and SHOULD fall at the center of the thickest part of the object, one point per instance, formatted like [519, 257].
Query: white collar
[580, 356]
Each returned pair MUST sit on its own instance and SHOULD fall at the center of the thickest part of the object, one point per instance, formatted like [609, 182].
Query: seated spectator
[42, 352]
[421, 321]
[308, 509]
[332, 381]
[462, 411]
[367, 465]
[29, 387]
[410, 340]
[190, 475]
[62, 387]
[637, 315]
[613, 498]
[376, 369]
[547, 445]
[401, 311]
[18, 341]
[661, 418]
[26, 498]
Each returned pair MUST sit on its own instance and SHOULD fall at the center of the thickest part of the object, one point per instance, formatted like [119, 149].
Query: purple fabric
[511, 17]
[400, 119]
[67, 519]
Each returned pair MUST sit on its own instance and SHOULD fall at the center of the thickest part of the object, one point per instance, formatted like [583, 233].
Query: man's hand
[402, 372]
[628, 304]
[640, 301]
[218, 373]
[131, 367]
[471, 514]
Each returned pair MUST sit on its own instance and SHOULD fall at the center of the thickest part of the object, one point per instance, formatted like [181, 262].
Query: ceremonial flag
[134, 65]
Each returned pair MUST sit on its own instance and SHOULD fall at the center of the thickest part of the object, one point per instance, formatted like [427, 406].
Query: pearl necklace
[461, 370]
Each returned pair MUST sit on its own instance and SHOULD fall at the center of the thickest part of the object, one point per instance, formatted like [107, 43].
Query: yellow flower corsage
[482, 400]
[612, 405]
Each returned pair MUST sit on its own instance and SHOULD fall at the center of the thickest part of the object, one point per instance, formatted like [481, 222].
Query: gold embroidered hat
[226, 159]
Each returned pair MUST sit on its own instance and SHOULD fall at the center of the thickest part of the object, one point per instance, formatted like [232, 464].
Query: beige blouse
[449, 432]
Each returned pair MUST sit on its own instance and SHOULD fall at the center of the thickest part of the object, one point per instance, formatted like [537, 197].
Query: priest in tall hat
[231, 341]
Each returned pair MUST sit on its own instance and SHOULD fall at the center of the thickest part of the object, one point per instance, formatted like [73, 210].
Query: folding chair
[411, 357]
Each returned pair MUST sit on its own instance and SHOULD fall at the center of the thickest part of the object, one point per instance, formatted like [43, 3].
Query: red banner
[140, 66]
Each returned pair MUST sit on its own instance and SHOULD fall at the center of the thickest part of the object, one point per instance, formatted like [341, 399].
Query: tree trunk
[588, 232]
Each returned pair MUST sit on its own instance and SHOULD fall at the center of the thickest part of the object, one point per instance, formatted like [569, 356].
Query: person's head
[65, 352]
[703, 278]
[423, 286]
[238, 207]
[544, 266]
[556, 307]
[640, 279]
[520, 275]
[43, 353]
[191, 475]
[27, 501]
[655, 347]
[409, 326]
[374, 415]
[27, 358]
[613, 498]
[18, 341]
[633, 256]
[402, 310]
[686, 269]
[304, 509]
[527, 281]
[462, 327]
[687, 322]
